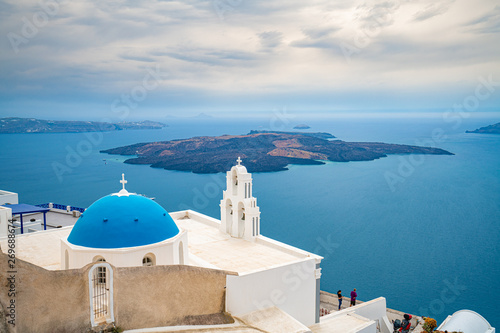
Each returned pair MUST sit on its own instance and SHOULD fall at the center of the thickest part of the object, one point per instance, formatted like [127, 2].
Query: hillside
[32, 125]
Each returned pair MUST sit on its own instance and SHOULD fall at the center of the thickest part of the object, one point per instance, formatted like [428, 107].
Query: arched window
[229, 216]
[241, 220]
[234, 182]
[101, 270]
[149, 260]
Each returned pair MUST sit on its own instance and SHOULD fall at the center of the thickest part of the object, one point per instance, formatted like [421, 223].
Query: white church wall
[292, 288]
[180, 250]
[165, 253]
[5, 216]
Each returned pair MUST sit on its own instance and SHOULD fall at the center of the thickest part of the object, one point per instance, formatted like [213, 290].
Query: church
[126, 262]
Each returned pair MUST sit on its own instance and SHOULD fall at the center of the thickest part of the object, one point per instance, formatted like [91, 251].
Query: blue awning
[26, 209]
[20, 209]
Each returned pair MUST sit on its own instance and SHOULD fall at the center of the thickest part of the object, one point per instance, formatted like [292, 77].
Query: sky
[83, 59]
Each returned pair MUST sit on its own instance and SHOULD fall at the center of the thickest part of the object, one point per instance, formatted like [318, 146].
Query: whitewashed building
[269, 286]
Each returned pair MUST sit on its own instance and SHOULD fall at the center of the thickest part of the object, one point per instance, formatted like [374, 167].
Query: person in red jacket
[406, 324]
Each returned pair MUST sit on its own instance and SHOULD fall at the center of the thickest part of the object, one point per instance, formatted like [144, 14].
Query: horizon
[291, 116]
[81, 60]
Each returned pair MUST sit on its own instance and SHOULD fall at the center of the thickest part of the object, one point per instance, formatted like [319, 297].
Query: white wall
[8, 197]
[166, 253]
[371, 328]
[292, 288]
[5, 216]
[374, 310]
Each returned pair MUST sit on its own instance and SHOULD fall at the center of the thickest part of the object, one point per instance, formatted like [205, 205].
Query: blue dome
[122, 221]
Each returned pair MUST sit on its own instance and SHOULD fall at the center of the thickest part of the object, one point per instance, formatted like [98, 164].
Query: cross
[123, 181]
[239, 160]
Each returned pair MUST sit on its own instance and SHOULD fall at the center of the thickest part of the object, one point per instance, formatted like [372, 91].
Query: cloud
[137, 58]
[91, 51]
[212, 57]
[320, 32]
[270, 39]
[433, 10]
[377, 13]
[486, 24]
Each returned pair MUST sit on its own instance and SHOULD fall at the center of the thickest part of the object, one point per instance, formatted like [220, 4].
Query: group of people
[399, 326]
[354, 295]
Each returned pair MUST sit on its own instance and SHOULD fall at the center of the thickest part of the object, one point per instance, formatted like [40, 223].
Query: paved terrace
[232, 254]
[55, 219]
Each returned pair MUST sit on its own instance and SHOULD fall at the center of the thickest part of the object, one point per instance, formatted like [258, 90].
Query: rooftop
[233, 254]
[208, 246]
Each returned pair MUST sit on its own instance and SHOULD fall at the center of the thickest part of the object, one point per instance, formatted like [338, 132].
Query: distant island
[492, 129]
[302, 126]
[32, 125]
[321, 135]
[261, 151]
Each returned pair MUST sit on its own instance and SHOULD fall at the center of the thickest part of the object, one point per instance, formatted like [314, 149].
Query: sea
[423, 231]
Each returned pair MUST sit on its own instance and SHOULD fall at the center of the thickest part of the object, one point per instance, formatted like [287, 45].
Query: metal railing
[61, 207]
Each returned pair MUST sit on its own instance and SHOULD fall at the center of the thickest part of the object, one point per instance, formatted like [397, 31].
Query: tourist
[353, 297]
[339, 294]
[406, 324]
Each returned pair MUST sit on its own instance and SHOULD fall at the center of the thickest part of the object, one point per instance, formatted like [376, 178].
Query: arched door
[101, 294]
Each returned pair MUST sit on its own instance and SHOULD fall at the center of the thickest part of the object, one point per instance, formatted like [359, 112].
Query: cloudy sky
[74, 59]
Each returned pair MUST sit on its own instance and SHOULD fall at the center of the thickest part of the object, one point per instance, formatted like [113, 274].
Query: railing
[61, 207]
[81, 210]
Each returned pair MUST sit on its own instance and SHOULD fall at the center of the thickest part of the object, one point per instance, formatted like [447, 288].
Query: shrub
[429, 324]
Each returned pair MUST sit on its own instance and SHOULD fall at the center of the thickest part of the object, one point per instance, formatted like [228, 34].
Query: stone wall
[46, 301]
[168, 295]
[58, 301]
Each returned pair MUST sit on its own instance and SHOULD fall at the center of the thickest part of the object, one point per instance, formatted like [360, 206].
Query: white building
[269, 286]
[9, 198]
[466, 321]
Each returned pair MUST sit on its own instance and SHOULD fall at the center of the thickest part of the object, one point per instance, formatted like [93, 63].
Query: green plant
[429, 324]
[116, 329]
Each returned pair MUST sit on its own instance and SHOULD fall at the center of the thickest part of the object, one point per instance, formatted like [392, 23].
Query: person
[353, 297]
[406, 324]
[339, 294]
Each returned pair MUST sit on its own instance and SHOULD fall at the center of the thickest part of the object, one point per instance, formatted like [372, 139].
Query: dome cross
[123, 181]
[239, 160]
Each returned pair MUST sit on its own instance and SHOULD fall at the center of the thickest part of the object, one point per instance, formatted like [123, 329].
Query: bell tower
[240, 215]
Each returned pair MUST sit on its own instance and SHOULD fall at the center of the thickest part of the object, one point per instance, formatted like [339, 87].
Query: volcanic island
[262, 151]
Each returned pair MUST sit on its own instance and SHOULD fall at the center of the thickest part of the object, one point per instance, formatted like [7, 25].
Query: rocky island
[32, 125]
[492, 129]
[302, 126]
[262, 151]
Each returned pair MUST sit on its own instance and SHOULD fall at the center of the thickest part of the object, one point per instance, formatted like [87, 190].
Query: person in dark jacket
[405, 324]
[339, 294]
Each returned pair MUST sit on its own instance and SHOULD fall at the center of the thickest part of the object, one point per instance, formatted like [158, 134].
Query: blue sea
[422, 231]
